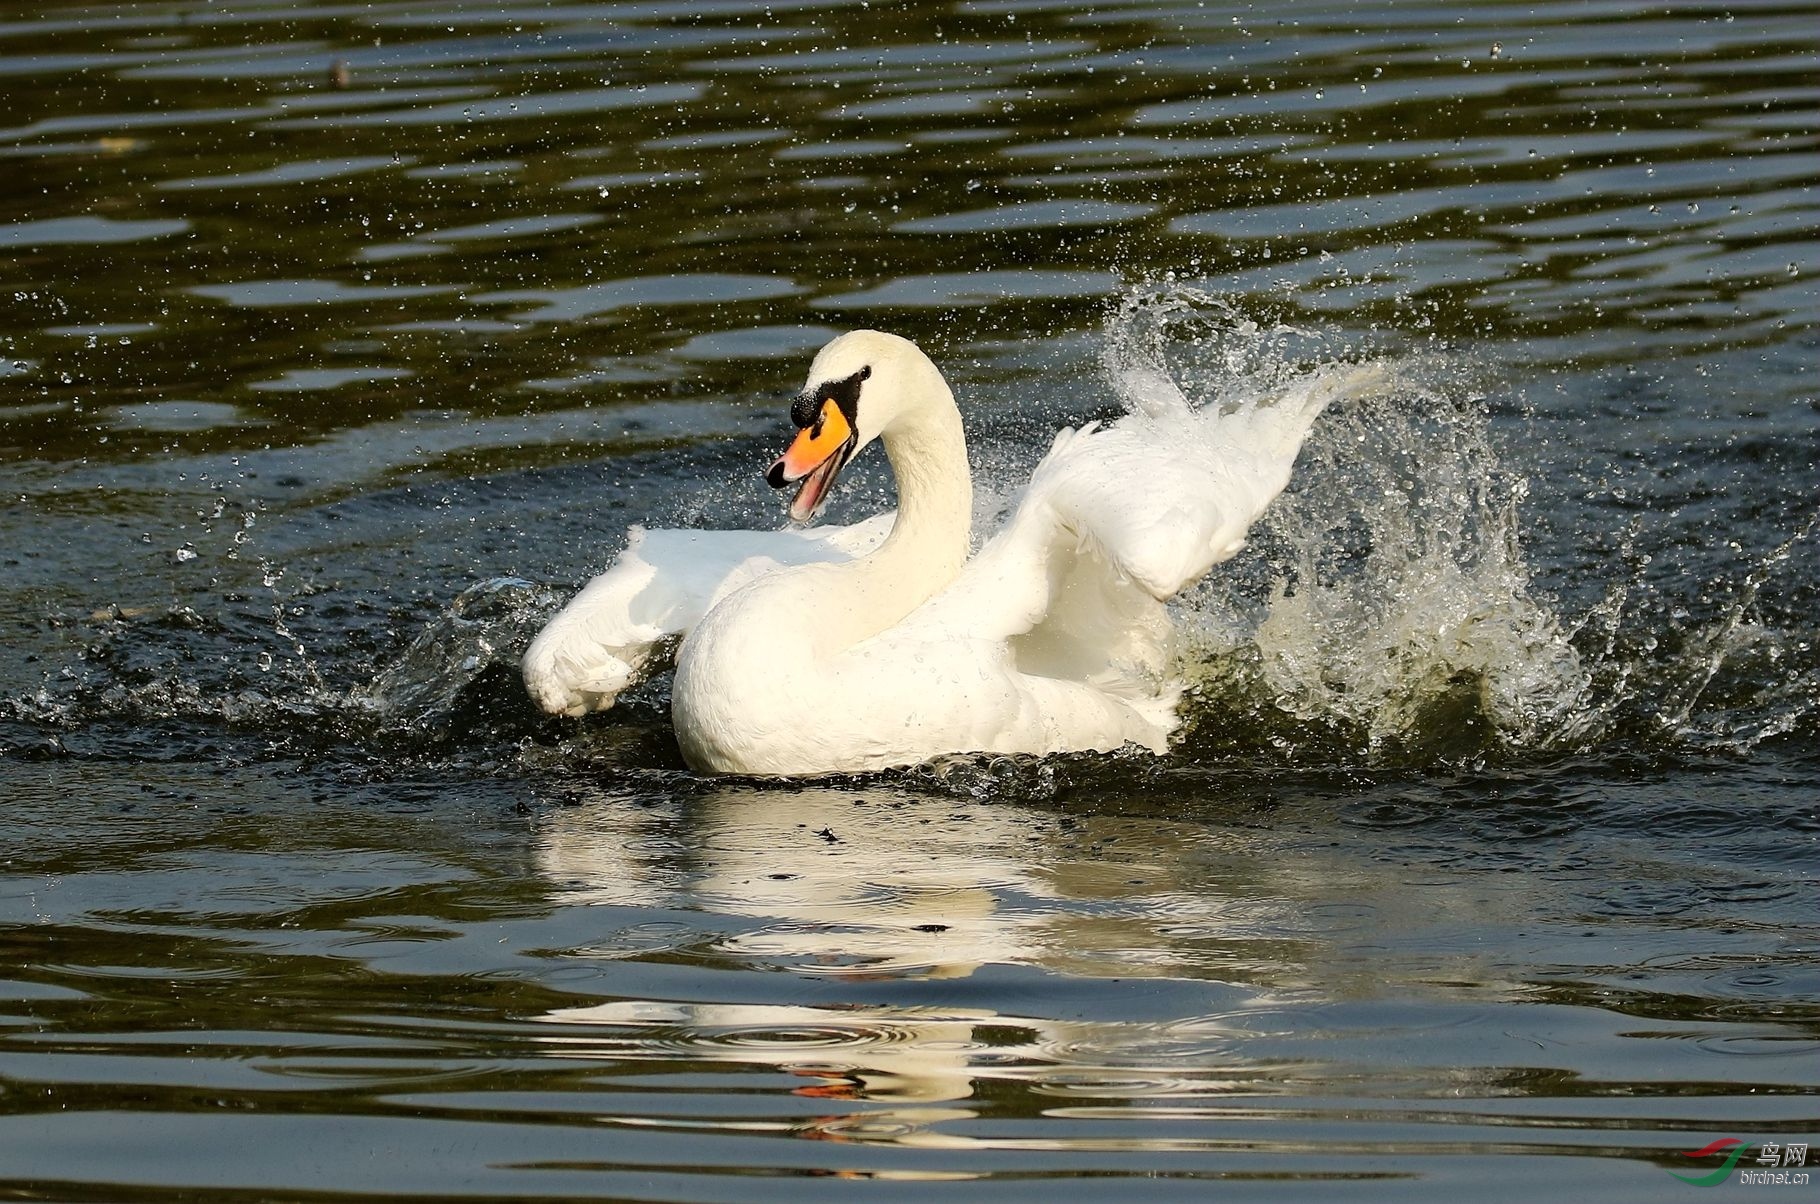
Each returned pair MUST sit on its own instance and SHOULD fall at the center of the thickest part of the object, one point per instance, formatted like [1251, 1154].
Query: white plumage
[880, 644]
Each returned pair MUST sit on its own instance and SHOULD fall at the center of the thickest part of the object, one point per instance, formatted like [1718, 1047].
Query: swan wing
[1166, 495]
[623, 623]
[1115, 521]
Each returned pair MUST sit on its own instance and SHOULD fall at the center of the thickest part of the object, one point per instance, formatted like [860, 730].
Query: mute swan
[823, 650]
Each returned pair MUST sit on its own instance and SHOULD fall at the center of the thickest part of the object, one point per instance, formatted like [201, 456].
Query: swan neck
[932, 535]
[934, 495]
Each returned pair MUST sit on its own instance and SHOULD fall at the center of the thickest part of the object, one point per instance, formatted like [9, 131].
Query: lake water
[340, 343]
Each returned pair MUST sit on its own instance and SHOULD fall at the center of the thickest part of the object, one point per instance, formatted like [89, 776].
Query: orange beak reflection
[815, 458]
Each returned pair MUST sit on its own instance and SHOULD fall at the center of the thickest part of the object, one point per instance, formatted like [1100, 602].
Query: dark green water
[339, 343]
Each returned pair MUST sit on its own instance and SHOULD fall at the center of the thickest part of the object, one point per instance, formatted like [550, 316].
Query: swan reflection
[875, 882]
[872, 887]
[852, 882]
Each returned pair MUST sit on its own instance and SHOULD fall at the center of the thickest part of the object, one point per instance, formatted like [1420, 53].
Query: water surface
[339, 344]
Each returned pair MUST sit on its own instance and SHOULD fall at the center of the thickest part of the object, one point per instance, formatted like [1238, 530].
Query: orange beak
[815, 458]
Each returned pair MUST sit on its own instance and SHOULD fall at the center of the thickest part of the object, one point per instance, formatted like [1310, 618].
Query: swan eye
[866, 372]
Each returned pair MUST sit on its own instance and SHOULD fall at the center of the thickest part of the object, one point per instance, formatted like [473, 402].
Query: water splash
[250, 669]
[485, 628]
[1732, 682]
[1388, 610]
[1404, 608]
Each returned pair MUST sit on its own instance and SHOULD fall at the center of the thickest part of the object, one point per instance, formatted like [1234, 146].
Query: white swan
[882, 644]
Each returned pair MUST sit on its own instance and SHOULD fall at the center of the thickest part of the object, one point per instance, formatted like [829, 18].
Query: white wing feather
[615, 629]
[1120, 519]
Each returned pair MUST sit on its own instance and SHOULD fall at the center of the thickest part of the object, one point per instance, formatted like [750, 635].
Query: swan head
[859, 386]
